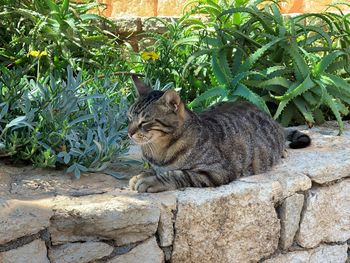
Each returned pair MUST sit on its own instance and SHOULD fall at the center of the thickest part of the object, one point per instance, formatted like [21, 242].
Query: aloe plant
[293, 70]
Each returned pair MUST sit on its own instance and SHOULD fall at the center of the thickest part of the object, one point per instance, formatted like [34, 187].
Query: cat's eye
[145, 126]
[141, 124]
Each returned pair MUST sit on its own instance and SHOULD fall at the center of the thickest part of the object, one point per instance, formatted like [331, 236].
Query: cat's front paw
[147, 184]
[136, 178]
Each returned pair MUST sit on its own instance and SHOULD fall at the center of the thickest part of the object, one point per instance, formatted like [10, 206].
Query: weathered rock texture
[32, 252]
[234, 223]
[289, 212]
[324, 253]
[327, 215]
[147, 252]
[299, 212]
[123, 219]
[21, 218]
[79, 252]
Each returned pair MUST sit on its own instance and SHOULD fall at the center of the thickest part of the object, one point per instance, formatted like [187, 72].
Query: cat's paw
[134, 179]
[147, 184]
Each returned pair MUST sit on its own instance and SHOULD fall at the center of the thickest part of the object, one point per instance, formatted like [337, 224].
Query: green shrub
[67, 32]
[76, 123]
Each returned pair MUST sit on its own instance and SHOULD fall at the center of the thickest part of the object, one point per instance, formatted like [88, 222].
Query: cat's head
[155, 116]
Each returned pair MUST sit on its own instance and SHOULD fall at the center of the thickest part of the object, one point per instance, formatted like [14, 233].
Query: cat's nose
[131, 131]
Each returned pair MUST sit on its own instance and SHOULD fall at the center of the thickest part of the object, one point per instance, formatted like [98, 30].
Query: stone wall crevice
[21, 241]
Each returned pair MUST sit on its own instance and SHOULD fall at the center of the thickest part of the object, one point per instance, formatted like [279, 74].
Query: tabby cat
[215, 147]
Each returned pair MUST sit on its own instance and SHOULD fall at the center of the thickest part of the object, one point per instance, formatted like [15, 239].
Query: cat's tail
[297, 139]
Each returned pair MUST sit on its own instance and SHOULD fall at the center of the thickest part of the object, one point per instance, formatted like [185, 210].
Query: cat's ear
[172, 99]
[141, 87]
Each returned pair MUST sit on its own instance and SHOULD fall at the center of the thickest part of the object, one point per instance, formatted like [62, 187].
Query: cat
[223, 143]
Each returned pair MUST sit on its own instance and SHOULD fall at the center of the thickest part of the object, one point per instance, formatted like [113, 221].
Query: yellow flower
[149, 55]
[124, 91]
[35, 53]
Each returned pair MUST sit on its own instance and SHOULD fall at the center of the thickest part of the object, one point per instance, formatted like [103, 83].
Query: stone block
[326, 160]
[146, 252]
[32, 252]
[321, 254]
[231, 223]
[326, 215]
[290, 182]
[79, 252]
[125, 219]
[20, 218]
[167, 204]
[290, 217]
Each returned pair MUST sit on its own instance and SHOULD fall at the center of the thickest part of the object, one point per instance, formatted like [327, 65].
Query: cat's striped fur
[215, 147]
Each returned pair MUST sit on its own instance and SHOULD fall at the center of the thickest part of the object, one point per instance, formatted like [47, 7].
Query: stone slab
[290, 182]
[326, 160]
[289, 213]
[326, 215]
[146, 252]
[123, 218]
[79, 252]
[168, 206]
[231, 223]
[321, 254]
[32, 252]
[20, 218]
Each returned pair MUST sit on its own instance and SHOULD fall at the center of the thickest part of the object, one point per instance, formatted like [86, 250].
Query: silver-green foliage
[73, 123]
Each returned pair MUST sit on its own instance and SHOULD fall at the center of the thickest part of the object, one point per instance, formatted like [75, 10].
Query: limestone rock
[165, 227]
[290, 217]
[128, 25]
[326, 217]
[326, 160]
[124, 218]
[5, 181]
[146, 252]
[20, 218]
[32, 252]
[321, 254]
[154, 25]
[39, 183]
[291, 182]
[231, 223]
[167, 204]
[79, 252]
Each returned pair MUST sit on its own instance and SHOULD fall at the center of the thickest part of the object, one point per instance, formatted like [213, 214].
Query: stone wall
[298, 212]
[123, 8]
